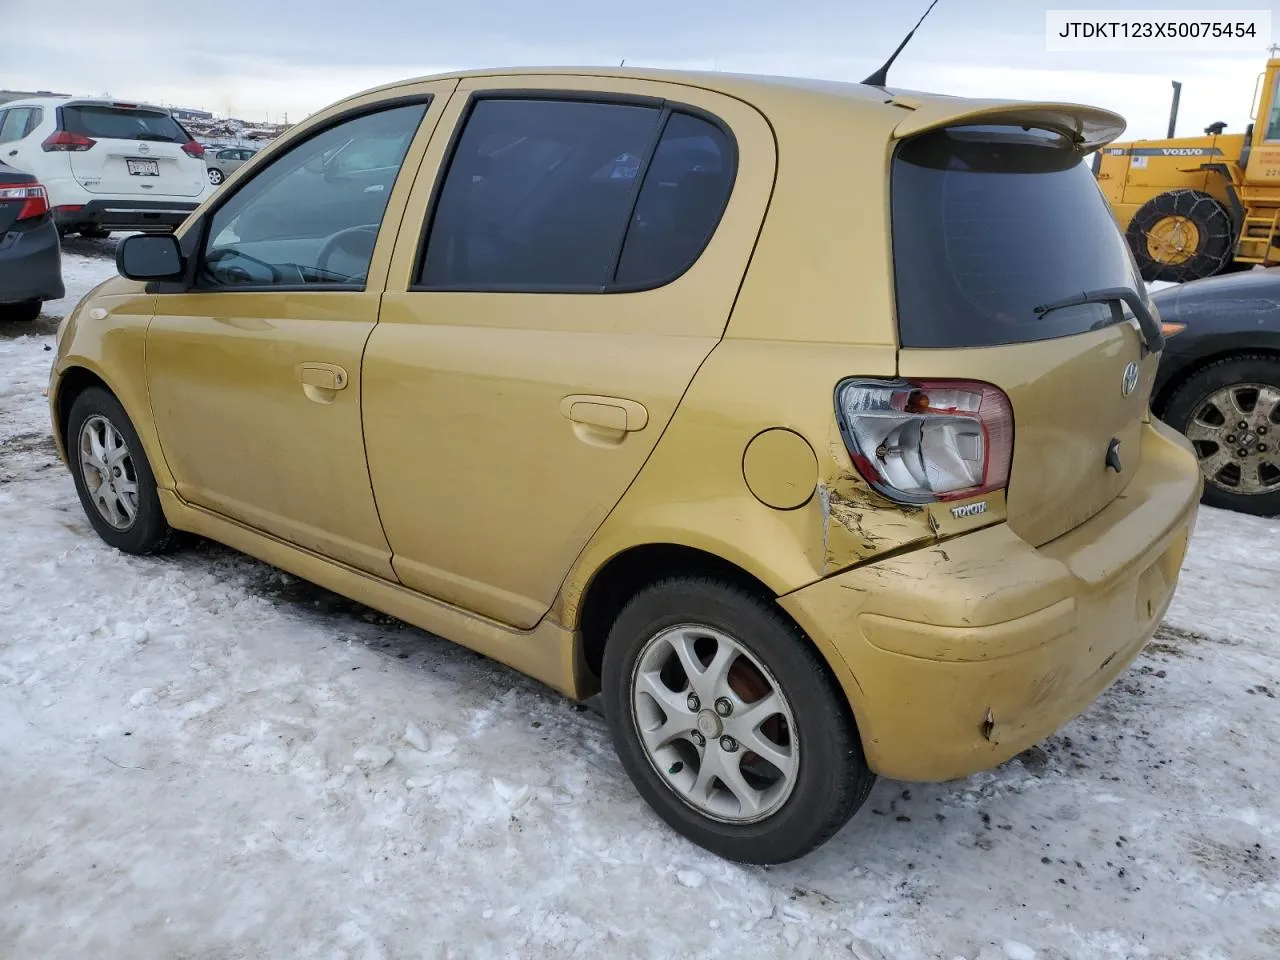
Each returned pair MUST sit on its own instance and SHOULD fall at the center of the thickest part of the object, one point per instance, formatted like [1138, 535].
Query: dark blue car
[1219, 383]
[30, 258]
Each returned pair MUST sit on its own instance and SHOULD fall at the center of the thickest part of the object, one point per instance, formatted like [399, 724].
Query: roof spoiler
[1089, 128]
[112, 102]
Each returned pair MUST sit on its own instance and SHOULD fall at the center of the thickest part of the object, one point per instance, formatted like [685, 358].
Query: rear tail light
[35, 201]
[193, 148]
[926, 440]
[61, 141]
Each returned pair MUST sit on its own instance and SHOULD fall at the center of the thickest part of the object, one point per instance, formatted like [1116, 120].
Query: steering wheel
[355, 241]
[214, 266]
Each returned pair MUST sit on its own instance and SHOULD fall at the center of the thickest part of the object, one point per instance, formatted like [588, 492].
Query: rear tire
[25, 312]
[1208, 409]
[94, 233]
[137, 526]
[808, 726]
[1177, 212]
[216, 176]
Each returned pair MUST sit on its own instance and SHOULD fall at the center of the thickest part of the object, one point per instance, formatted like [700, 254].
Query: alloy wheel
[1234, 431]
[108, 471]
[715, 724]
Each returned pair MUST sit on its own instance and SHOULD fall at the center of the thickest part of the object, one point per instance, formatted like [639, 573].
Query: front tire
[113, 478]
[1180, 235]
[729, 723]
[25, 312]
[94, 233]
[1241, 464]
[216, 176]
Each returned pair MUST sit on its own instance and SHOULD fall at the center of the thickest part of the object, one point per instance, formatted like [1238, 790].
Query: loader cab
[1261, 159]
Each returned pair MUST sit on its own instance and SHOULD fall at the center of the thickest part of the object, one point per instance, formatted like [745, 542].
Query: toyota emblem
[1129, 381]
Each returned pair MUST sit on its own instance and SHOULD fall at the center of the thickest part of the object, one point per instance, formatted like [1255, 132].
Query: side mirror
[150, 257]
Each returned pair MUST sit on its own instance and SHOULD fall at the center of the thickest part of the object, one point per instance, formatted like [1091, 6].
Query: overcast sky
[262, 58]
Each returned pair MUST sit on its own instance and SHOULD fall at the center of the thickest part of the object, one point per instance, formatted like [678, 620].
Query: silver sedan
[222, 163]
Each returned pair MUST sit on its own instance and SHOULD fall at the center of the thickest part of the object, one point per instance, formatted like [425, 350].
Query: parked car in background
[654, 405]
[30, 254]
[1219, 383]
[222, 163]
[107, 165]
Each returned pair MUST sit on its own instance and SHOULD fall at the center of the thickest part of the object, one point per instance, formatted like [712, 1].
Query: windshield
[988, 224]
[119, 123]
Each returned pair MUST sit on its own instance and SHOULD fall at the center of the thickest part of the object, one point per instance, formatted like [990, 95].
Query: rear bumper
[152, 216]
[966, 653]
[31, 264]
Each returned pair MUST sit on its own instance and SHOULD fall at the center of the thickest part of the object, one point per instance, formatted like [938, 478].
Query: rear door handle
[320, 381]
[608, 413]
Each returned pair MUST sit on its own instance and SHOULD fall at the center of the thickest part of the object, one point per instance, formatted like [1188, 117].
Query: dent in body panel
[858, 524]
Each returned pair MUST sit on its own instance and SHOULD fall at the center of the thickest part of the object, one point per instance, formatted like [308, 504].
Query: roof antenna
[881, 76]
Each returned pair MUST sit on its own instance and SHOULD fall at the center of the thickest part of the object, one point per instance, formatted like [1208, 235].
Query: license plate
[143, 168]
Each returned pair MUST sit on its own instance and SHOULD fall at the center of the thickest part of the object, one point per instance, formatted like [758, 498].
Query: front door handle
[321, 381]
[607, 413]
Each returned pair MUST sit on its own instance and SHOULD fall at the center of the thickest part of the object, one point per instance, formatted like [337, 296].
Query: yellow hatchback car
[807, 422]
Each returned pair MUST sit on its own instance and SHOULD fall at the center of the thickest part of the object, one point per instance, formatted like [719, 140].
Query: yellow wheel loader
[1192, 207]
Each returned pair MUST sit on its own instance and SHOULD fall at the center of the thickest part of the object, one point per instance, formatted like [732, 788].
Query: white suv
[107, 165]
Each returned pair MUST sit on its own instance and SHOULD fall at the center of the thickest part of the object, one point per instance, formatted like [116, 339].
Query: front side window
[310, 216]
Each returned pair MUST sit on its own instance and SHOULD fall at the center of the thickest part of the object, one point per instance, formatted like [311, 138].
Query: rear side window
[121, 123]
[17, 122]
[685, 191]
[988, 224]
[577, 196]
[538, 194]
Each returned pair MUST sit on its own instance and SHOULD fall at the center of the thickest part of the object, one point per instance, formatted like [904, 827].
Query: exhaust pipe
[1173, 110]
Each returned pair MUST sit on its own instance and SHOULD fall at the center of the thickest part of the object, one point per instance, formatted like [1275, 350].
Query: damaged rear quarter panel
[859, 524]
[692, 490]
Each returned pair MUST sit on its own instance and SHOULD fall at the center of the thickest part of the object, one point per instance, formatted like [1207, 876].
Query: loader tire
[1181, 235]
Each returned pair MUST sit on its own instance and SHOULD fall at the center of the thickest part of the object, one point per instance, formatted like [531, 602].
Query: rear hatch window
[988, 224]
[122, 123]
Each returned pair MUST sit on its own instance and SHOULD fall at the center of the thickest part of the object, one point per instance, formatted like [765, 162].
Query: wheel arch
[633, 569]
[72, 382]
[77, 377]
[1175, 382]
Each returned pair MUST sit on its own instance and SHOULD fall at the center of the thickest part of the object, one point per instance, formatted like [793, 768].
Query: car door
[254, 369]
[586, 242]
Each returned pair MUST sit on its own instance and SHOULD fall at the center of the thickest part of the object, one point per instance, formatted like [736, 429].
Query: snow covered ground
[203, 758]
